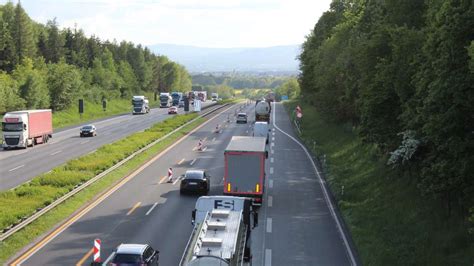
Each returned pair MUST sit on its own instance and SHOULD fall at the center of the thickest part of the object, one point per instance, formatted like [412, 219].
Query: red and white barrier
[200, 145]
[170, 174]
[96, 250]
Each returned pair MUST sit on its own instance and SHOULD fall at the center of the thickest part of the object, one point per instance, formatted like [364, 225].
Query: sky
[204, 23]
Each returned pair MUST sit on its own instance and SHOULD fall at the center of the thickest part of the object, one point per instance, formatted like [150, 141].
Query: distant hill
[200, 59]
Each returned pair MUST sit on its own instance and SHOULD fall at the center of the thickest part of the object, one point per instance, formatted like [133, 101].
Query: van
[261, 129]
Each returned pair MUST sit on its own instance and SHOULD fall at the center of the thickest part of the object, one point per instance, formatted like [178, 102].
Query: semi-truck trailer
[222, 232]
[262, 111]
[26, 128]
[244, 169]
[165, 100]
[176, 97]
[140, 105]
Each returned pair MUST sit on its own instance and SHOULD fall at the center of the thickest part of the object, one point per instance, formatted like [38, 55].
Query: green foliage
[290, 88]
[390, 222]
[9, 95]
[44, 189]
[75, 66]
[238, 81]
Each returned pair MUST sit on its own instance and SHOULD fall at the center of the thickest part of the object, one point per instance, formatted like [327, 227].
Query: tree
[64, 83]
[23, 35]
[32, 85]
[8, 54]
[9, 96]
[55, 42]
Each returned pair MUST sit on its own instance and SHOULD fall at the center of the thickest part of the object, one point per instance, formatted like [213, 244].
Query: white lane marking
[270, 183]
[176, 181]
[84, 142]
[269, 225]
[18, 167]
[273, 133]
[214, 139]
[325, 192]
[273, 144]
[192, 162]
[49, 171]
[152, 207]
[270, 201]
[56, 152]
[273, 138]
[272, 151]
[271, 170]
[273, 122]
[246, 131]
[205, 148]
[272, 159]
[92, 151]
[268, 257]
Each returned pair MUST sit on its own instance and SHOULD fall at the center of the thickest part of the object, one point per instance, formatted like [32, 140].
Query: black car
[195, 181]
[88, 130]
[135, 254]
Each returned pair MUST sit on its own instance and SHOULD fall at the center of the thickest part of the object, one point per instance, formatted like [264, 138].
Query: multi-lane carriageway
[19, 166]
[297, 224]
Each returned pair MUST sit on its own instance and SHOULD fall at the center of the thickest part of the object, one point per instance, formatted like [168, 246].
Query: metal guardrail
[76, 190]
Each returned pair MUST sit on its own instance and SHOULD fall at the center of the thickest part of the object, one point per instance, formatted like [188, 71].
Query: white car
[241, 118]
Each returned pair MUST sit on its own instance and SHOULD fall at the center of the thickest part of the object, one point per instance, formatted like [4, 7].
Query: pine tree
[23, 34]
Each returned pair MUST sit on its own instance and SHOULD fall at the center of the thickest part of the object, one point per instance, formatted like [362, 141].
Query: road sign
[284, 97]
[97, 250]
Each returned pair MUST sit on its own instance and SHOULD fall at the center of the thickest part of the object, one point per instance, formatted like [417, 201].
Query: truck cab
[140, 105]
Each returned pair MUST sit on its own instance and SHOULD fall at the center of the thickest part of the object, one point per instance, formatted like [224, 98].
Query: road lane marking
[152, 207]
[92, 151]
[84, 142]
[273, 144]
[44, 241]
[205, 148]
[269, 225]
[18, 167]
[325, 192]
[88, 254]
[268, 257]
[162, 180]
[204, 139]
[271, 160]
[270, 183]
[56, 152]
[192, 162]
[271, 170]
[176, 181]
[270, 201]
[214, 139]
[133, 208]
[273, 138]
[272, 151]
[180, 162]
[273, 133]
[194, 148]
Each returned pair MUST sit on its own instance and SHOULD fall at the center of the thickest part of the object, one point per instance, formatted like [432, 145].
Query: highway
[21, 165]
[297, 226]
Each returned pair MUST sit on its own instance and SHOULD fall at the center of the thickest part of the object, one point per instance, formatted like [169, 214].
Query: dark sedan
[195, 181]
[88, 130]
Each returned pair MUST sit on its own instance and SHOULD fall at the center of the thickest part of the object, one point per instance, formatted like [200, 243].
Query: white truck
[222, 232]
[165, 100]
[214, 96]
[26, 128]
[140, 105]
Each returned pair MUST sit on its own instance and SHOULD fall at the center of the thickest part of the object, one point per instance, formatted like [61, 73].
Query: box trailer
[244, 169]
[26, 128]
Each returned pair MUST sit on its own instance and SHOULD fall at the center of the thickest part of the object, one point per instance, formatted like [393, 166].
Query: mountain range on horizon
[249, 59]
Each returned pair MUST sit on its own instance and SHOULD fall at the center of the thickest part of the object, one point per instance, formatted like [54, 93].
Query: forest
[43, 66]
[400, 73]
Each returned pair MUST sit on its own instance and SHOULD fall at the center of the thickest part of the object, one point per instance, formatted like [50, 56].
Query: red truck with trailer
[26, 128]
[244, 171]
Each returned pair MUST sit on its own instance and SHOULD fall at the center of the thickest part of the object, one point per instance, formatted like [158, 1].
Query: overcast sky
[205, 23]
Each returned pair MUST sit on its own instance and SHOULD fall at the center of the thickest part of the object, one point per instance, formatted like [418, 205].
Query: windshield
[12, 127]
[127, 258]
[137, 103]
[194, 175]
[87, 127]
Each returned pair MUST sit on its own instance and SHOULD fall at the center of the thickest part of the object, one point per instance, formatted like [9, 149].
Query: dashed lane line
[270, 201]
[151, 209]
[134, 208]
[16, 168]
[268, 257]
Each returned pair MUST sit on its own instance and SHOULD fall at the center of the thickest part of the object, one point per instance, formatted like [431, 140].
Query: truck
[262, 111]
[222, 232]
[26, 128]
[140, 105]
[165, 100]
[176, 97]
[202, 95]
[214, 96]
[244, 167]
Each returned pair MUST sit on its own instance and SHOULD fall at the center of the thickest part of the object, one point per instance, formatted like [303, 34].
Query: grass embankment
[93, 111]
[45, 188]
[390, 222]
[22, 238]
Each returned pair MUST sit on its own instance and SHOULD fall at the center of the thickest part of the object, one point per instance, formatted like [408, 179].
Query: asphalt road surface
[296, 225]
[21, 165]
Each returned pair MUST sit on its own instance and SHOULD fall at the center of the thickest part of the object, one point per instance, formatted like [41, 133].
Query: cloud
[211, 23]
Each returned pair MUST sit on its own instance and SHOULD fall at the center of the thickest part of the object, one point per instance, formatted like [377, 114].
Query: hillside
[201, 59]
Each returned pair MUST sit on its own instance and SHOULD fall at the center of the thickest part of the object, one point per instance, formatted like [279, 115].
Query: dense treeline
[42, 66]
[238, 81]
[402, 73]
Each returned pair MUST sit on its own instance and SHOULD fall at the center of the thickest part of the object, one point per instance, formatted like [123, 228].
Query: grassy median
[390, 222]
[20, 239]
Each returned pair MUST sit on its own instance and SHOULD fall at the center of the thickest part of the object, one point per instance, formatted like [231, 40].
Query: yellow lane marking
[180, 162]
[101, 198]
[162, 180]
[88, 254]
[134, 208]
